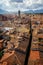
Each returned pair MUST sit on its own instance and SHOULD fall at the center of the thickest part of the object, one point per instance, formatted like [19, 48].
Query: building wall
[3, 18]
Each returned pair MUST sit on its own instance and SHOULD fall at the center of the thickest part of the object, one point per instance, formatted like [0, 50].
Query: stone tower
[19, 13]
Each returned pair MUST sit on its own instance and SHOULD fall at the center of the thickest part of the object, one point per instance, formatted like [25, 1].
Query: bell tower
[19, 13]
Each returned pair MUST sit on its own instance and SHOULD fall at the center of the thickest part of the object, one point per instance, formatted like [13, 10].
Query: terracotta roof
[34, 55]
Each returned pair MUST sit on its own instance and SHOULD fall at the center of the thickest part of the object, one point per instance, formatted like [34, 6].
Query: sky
[23, 5]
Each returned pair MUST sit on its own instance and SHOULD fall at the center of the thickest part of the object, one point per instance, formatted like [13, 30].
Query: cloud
[23, 5]
[17, 1]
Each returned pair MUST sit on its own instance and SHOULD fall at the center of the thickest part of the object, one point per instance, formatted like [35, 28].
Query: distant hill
[38, 11]
[35, 11]
[3, 11]
[29, 11]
